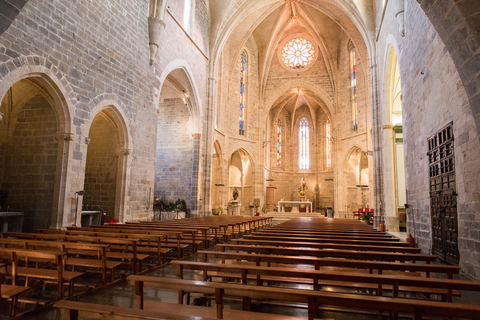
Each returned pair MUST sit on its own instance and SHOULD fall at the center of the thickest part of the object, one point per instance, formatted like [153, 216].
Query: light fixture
[185, 94]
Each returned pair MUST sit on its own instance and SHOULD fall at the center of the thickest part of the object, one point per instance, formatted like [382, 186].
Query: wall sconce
[185, 94]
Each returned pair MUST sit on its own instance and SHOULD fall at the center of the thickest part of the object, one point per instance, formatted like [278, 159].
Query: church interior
[149, 143]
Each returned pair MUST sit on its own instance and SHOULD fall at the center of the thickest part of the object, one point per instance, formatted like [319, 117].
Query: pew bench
[60, 276]
[97, 251]
[325, 240]
[355, 247]
[11, 292]
[170, 311]
[361, 255]
[379, 266]
[445, 288]
[310, 297]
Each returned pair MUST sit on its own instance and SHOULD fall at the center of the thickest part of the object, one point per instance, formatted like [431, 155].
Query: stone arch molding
[111, 103]
[306, 84]
[195, 99]
[387, 60]
[350, 151]
[64, 100]
[57, 85]
[239, 147]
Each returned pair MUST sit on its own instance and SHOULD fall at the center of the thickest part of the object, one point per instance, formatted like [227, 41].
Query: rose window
[298, 53]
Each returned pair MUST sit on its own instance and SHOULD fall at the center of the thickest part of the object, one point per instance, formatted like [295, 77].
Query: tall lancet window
[328, 143]
[243, 97]
[279, 145]
[353, 72]
[303, 143]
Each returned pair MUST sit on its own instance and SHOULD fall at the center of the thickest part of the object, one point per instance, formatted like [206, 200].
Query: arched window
[353, 73]
[279, 145]
[328, 143]
[188, 15]
[243, 98]
[304, 162]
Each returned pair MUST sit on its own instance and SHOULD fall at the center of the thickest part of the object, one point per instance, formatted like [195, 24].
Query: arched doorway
[396, 195]
[32, 151]
[242, 176]
[178, 141]
[357, 180]
[105, 165]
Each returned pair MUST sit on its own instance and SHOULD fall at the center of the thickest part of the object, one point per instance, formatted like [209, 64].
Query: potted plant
[367, 217]
[217, 211]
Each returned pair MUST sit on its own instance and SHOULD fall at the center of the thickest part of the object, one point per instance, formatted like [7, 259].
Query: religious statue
[303, 187]
[235, 194]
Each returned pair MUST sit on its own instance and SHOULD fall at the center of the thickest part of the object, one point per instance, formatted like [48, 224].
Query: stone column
[193, 203]
[391, 219]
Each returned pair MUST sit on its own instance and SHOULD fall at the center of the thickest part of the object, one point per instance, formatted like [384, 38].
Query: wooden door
[443, 196]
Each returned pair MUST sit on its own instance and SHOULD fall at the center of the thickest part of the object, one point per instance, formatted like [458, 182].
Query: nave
[247, 268]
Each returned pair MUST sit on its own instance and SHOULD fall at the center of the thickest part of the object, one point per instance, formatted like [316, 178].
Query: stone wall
[30, 163]
[95, 54]
[433, 96]
[174, 155]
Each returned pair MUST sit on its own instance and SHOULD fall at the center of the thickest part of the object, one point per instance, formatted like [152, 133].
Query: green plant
[217, 211]
[366, 216]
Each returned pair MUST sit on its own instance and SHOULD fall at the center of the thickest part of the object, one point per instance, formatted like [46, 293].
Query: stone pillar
[59, 196]
[391, 219]
[195, 172]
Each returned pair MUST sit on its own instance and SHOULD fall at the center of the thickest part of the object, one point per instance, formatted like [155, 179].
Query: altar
[295, 205]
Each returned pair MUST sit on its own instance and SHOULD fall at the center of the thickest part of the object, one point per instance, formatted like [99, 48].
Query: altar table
[295, 205]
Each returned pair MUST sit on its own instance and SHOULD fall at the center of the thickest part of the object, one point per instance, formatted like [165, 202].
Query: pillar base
[392, 224]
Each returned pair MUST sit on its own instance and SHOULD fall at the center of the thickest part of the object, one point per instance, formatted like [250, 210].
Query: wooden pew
[123, 250]
[170, 311]
[313, 298]
[326, 245]
[59, 275]
[323, 253]
[320, 278]
[152, 243]
[96, 250]
[75, 309]
[11, 292]
[326, 236]
[325, 240]
[319, 263]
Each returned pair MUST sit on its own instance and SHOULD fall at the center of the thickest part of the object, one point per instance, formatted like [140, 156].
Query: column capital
[87, 140]
[66, 136]
[123, 152]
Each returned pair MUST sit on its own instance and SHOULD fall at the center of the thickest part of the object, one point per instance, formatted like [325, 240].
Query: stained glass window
[353, 68]
[328, 144]
[243, 98]
[298, 53]
[303, 142]
[279, 145]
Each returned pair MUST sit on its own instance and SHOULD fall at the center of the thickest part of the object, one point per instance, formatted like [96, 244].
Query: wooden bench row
[314, 299]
